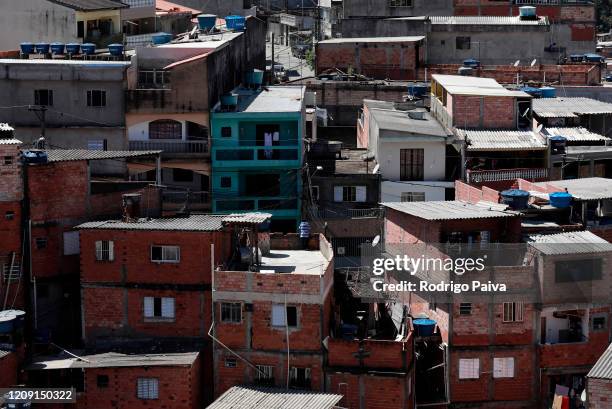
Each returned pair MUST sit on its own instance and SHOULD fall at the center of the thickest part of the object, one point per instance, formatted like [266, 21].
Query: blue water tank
[207, 21]
[229, 99]
[557, 145]
[534, 92]
[577, 57]
[424, 327]
[418, 90]
[471, 62]
[161, 38]
[57, 48]
[88, 48]
[527, 11]
[548, 92]
[257, 77]
[73, 48]
[27, 48]
[42, 48]
[592, 57]
[35, 156]
[515, 198]
[116, 49]
[235, 22]
[560, 200]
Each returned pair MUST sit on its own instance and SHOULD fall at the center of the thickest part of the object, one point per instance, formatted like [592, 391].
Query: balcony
[276, 205]
[256, 156]
[500, 175]
[173, 148]
[343, 213]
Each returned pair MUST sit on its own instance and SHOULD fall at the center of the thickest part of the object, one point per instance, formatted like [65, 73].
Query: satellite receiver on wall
[375, 170]
[539, 128]
[534, 62]
[516, 63]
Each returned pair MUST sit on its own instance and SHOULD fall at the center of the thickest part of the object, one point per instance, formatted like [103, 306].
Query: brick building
[599, 382]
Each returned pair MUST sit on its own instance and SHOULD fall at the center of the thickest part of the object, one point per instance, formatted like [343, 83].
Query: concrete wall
[381, 8]
[392, 191]
[221, 8]
[434, 158]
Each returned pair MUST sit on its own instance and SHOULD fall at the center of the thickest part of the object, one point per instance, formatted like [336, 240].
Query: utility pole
[272, 67]
[40, 112]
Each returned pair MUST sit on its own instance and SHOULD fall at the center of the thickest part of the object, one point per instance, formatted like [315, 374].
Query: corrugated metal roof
[466, 85]
[248, 397]
[488, 20]
[585, 188]
[603, 367]
[569, 107]
[501, 140]
[91, 5]
[4, 352]
[197, 222]
[11, 141]
[578, 134]
[4, 127]
[579, 242]
[247, 218]
[64, 155]
[114, 360]
[448, 210]
[351, 40]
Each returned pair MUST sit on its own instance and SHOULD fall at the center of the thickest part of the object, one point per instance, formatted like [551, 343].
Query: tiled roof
[488, 20]
[501, 140]
[199, 222]
[579, 242]
[448, 210]
[569, 107]
[248, 397]
[64, 155]
[603, 367]
[585, 188]
[578, 134]
[91, 5]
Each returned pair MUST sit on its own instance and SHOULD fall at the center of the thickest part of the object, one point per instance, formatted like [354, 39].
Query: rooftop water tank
[471, 62]
[207, 21]
[161, 38]
[424, 327]
[465, 71]
[534, 92]
[548, 92]
[229, 100]
[42, 48]
[88, 48]
[557, 145]
[116, 49]
[577, 57]
[560, 200]
[35, 156]
[257, 77]
[418, 90]
[515, 198]
[27, 48]
[527, 12]
[57, 48]
[235, 22]
[11, 320]
[73, 48]
[592, 57]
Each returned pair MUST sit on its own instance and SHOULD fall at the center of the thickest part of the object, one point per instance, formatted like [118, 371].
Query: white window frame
[469, 368]
[147, 388]
[72, 244]
[168, 308]
[105, 250]
[279, 315]
[234, 307]
[165, 249]
[412, 197]
[503, 367]
[513, 311]
[346, 193]
[293, 374]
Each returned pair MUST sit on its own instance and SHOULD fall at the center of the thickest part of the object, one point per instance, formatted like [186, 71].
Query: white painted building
[411, 149]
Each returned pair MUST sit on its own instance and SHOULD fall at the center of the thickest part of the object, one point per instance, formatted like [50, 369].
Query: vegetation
[604, 15]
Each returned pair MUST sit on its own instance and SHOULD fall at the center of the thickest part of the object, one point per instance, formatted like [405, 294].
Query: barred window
[105, 250]
[148, 388]
[165, 129]
[400, 3]
[513, 311]
[231, 312]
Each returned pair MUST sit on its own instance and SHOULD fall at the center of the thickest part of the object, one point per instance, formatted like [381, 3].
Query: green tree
[603, 9]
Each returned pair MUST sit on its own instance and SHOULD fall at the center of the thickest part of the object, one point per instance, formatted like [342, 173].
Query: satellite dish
[516, 64]
[376, 240]
[583, 396]
[534, 62]
[525, 113]
[375, 170]
[539, 128]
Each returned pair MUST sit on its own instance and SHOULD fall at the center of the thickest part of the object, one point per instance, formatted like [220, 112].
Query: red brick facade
[599, 393]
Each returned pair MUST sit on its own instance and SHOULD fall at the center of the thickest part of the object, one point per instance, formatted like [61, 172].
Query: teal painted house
[257, 151]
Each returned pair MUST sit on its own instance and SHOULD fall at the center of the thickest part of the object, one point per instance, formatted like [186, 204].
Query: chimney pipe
[131, 206]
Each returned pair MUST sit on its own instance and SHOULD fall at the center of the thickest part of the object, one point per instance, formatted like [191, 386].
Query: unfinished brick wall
[599, 393]
[366, 391]
[11, 182]
[405, 228]
[383, 354]
[10, 366]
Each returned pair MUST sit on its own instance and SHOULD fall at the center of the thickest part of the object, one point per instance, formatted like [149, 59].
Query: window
[80, 29]
[411, 164]
[159, 307]
[413, 197]
[148, 388]
[165, 129]
[599, 322]
[9, 215]
[226, 182]
[282, 316]
[8, 160]
[102, 381]
[105, 250]
[465, 308]
[503, 367]
[513, 311]
[299, 377]
[71, 243]
[231, 312]
[153, 79]
[569, 271]
[350, 193]
[182, 175]
[315, 192]
[230, 362]
[96, 98]
[463, 43]
[400, 3]
[265, 374]
[41, 242]
[226, 132]
[97, 145]
[165, 254]
[469, 368]
[43, 97]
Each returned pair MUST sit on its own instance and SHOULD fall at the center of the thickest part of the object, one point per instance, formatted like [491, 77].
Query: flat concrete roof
[278, 99]
[404, 39]
[57, 61]
[387, 117]
[310, 262]
[206, 41]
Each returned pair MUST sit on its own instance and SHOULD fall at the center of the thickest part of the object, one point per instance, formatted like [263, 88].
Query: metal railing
[256, 153]
[479, 176]
[342, 213]
[170, 146]
[242, 203]
[11, 267]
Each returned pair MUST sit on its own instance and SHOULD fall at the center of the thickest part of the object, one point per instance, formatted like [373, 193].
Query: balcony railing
[139, 3]
[197, 147]
[339, 213]
[241, 203]
[263, 154]
[498, 175]
[11, 267]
